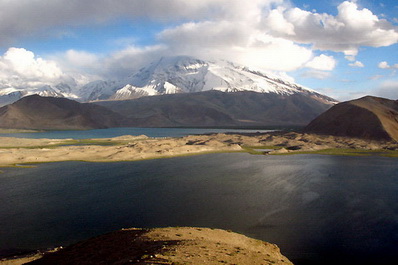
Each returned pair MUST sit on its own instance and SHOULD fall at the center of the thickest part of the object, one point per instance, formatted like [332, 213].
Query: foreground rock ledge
[177, 245]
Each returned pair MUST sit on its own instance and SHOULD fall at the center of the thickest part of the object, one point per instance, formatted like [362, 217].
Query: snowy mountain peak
[61, 90]
[182, 74]
[179, 74]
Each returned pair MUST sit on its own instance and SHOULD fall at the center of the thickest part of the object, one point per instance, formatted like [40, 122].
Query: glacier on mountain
[178, 74]
[183, 74]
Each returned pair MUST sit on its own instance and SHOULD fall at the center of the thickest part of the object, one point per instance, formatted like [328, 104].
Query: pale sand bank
[130, 148]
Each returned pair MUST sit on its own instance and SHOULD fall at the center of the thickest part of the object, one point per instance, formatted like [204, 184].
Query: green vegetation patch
[82, 142]
[25, 165]
[256, 150]
[103, 142]
[31, 147]
[390, 153]
[346, 152]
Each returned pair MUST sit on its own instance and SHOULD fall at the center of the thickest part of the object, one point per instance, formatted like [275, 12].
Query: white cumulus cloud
[350, 29]
[235, 41]
[21, 69]
[357, 64]
[322, 62]
[385, 65]
[21, 62]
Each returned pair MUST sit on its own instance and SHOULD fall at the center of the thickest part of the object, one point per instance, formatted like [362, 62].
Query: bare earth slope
[36, 112]
[367, 117]
[215, 108]
[181, 245]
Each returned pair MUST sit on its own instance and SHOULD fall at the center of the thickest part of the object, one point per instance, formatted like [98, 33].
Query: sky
[344, 49]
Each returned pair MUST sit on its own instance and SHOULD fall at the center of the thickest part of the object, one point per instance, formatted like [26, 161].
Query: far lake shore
[17, 151]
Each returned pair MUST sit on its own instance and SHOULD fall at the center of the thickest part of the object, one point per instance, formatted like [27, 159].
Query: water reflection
[318, 209]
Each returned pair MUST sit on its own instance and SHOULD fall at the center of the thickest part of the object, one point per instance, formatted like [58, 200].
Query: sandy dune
[129, 148]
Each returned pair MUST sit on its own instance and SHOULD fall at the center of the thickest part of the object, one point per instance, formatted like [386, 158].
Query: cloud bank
[266, 34]
[25, 17]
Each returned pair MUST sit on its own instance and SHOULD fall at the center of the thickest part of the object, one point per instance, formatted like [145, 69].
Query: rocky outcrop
[178, 245]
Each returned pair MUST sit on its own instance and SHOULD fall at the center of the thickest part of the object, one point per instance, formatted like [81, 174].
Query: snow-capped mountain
[9, 96]
[62, 90]
[171, 75]
[183, 74]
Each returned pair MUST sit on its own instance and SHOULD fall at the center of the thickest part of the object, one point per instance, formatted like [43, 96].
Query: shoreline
[25, 152]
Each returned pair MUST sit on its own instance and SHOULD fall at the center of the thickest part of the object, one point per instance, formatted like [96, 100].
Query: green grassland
[330, 151]
[69, 142]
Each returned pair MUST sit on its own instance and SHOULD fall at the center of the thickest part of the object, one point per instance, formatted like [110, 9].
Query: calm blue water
[114, 132]
[318, 209]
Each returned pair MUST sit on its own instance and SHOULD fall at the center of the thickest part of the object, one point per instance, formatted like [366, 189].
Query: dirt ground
[14, 151]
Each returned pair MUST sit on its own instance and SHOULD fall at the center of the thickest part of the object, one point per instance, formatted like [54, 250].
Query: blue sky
[345, 49]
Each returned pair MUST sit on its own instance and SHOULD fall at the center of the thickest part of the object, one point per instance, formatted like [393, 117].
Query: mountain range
[201, 109]
[170, 92]
[182, 74]
[171, 75]
[216, 109]
[367, 117]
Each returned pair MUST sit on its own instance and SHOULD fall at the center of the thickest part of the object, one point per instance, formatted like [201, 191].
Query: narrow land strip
[15, 151]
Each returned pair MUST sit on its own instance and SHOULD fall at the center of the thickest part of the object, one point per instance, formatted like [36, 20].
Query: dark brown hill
[36, 112]
[367, 117]
[215, 108]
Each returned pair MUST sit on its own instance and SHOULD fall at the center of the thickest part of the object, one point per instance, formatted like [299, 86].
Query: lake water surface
[114, 132]
[317, 209]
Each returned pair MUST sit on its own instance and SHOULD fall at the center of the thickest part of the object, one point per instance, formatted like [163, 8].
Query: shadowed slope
[367, 117]
[215, 108]
[36, 112]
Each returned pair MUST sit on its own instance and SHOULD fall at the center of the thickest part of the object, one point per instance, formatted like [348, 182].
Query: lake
[317, 209]
[114, 132]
